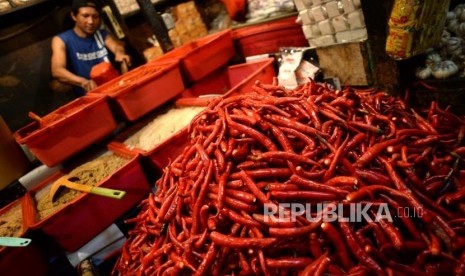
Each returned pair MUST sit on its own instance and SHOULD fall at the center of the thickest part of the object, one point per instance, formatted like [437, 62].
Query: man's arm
[118, 50]
[59, 70]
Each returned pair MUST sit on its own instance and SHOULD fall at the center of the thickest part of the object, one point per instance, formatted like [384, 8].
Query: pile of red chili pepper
[309, 145]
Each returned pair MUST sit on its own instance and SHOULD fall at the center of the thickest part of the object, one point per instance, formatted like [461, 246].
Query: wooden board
[348, 62]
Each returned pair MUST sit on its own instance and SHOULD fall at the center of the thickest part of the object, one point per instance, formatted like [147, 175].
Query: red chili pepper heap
[308, 145]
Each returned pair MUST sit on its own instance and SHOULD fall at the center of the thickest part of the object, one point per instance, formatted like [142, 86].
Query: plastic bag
[260, 9]
[294, 70]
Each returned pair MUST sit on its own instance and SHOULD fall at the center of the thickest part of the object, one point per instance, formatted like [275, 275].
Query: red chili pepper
[332, 116]
[460, 268]
[291, 123]
[312, 185]
[374, 151]
[334, 110]
[288, 262]
[310, 143]
[322, 266]
[373, 177]
[293, 232]
[199, 200]
[293, 157]
[222, 185]
[337, 157]
[261, 138]
[336, 240]
[250, 121]
[238, 218]
[208, 260]
[392, 233]
[273, 221]
[312, 110]
[424, 141]
[253, 187]
[219, 125]
[172, 193]
[433, 205]
[400, 268]
[413, 132]
[422, 123]
[342, 102]
[280, 186]
[241, 243]
[234, 203]
[407, 222]
[264, 173]
[231, 147]
[395, 178]
[455, 197]
[355, 141]
[342, 180]
[358, 252]
[367, 127]
[310, 269]
[309, 174]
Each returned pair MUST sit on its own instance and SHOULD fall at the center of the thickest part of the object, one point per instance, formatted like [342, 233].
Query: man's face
[87, 20]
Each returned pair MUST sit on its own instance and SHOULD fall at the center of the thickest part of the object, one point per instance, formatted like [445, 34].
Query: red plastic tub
[202, 56]
[85, 216]
[29, 260]
[268, 37]
[143, 89]
[226, 81]
[68, 129]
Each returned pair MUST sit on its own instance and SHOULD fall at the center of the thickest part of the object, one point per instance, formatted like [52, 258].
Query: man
[76, 51]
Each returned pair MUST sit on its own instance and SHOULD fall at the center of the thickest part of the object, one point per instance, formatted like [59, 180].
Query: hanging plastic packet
[415, 26]
[294, 69]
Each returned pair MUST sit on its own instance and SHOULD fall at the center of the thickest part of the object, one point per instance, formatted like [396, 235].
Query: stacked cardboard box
[128, 6]
[187, 26]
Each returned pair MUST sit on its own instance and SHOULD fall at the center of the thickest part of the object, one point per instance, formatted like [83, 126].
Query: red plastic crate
[71, 128]
[203, 56]
[226, 81]
[143, 89]
[268, 37]
[29, 260]
[87, 215]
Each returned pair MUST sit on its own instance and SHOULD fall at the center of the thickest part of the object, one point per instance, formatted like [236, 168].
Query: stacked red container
[85, 216]
[225, 81]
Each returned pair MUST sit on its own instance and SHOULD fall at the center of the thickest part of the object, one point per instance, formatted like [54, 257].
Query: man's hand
[88, 85]
[122, 57]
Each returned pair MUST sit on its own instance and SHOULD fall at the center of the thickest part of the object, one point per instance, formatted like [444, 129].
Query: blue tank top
[83, 53]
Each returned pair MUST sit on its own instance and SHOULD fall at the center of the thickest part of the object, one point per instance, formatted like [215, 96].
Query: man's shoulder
[66, 35]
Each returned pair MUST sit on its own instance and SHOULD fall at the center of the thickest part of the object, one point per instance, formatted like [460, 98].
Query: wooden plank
[348, 62]
[156, 23]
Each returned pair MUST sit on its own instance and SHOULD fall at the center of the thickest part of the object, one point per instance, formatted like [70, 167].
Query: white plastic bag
[260, 9]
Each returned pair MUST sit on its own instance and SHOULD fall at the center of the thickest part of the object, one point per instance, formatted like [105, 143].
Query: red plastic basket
[268, 37]
[81, 219]
[29, 260]
[226, 81]
[203, 56]
[70, 129]
[143, 89]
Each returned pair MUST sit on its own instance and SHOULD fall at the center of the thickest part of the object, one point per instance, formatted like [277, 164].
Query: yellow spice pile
[11, 222]
[89, 173]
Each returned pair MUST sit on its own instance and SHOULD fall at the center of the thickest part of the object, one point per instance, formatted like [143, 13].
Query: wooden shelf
[16, 8]
[159, 6]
